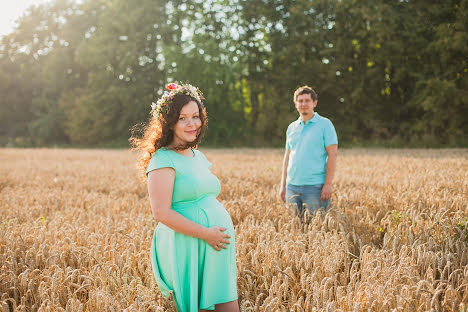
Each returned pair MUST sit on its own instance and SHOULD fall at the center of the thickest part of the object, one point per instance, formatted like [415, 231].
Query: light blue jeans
[306, 195]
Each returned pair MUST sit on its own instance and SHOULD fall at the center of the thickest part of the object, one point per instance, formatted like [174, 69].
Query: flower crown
[162, 105]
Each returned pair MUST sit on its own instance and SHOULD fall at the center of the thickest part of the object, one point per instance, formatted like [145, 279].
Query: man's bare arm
[284, 175]
[327, 190]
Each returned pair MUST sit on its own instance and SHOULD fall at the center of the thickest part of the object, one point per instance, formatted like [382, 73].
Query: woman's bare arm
[160, 187]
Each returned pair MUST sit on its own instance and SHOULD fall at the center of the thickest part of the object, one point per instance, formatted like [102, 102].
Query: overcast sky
[11, 10]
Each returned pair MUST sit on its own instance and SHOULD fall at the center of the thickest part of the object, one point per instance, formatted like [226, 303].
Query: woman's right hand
[215, 237]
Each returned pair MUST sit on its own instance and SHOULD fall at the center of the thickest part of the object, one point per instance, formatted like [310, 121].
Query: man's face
[305, 104]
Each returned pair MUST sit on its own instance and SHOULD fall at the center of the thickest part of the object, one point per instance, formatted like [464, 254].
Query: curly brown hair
[158, 132]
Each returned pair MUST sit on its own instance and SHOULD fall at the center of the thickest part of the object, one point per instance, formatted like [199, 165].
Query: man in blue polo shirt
[310, 159]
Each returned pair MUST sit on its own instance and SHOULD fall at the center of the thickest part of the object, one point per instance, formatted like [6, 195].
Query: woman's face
[186, 128]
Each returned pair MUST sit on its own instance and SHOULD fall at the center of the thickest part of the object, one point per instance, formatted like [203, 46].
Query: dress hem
[219, 302]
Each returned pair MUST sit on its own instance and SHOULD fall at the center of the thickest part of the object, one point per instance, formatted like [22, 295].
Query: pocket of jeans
[293, 188]
[317, 186]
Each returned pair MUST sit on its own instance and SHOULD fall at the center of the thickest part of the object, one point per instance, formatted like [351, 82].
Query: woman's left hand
[216, 238]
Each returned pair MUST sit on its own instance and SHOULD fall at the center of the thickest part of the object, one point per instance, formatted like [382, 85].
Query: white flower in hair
[161, 105]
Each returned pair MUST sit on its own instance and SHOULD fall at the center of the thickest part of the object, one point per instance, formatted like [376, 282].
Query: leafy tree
[85, 72]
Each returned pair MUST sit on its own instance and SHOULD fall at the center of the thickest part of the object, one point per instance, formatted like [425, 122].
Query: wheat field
[76, 227]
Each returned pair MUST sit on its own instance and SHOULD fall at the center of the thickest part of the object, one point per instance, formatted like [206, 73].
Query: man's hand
[326, 192]
[282, 194]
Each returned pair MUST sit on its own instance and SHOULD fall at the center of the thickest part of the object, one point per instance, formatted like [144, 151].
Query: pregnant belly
[206, 211]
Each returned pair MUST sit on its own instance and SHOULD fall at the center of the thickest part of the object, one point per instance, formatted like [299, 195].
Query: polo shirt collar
[312, 120]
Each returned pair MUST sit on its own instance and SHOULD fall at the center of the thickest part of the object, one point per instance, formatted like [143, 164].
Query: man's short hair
[305, 90]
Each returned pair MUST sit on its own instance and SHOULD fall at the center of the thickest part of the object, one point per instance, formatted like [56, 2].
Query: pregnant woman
[193, 248]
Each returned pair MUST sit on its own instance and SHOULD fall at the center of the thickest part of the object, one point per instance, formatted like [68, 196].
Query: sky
[11, 10]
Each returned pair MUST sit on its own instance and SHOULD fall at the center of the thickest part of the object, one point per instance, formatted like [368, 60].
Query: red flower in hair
[171, 86]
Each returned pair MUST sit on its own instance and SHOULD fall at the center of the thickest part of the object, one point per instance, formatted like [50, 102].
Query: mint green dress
[197, 274]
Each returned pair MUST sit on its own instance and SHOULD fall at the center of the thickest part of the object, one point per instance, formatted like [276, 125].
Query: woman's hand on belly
[215, 237]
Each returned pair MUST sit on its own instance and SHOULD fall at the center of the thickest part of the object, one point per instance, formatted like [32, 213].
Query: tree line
[84, 72]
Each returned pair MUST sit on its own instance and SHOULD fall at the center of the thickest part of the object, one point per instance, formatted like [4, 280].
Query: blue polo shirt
[308, 156]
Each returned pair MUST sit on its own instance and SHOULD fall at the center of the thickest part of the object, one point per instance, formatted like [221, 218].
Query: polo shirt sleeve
[159, 160]
[330, 136]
